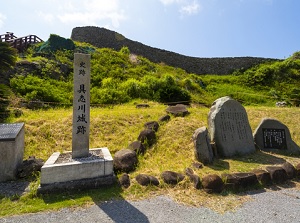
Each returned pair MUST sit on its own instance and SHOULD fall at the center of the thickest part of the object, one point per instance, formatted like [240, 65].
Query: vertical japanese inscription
[274, 138]
[81, 105]
[233, 125]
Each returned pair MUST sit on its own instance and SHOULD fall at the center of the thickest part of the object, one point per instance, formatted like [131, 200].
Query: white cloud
[47, 17]
[2, 18]
[190, 9]
[186, 7]
[90, 12]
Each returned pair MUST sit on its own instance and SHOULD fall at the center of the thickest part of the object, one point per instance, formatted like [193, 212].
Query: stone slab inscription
[274, 138]
[9, 132]
[233, 125]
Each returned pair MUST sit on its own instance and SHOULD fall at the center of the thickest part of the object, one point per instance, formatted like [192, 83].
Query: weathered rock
[164, 118]
[298, 169]
[240, 180]
[212, 183]
[202, 148]
[152, 125]
[229, 128]
[125, 160]
[146, 180]
[272, 135]
[124, 180]
[142, 106]
[147, 137]
[137, 147]
[177, 110]
[29, 166]
[189, 171]
[194, 178]
[143, 179]
[197, 165]
[290, 170]
[170, 177]
[277, 173]
[263, 177]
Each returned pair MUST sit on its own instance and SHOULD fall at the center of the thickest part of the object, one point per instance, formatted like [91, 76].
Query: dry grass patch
[51, 131]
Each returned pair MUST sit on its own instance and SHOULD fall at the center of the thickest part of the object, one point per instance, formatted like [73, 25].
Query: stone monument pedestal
[11, 150]
[62, 172]
[83, 168]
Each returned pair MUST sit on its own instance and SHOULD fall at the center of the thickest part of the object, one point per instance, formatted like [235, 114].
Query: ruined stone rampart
[104, 38]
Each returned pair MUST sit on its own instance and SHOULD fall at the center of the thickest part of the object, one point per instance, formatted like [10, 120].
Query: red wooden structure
[19, 43]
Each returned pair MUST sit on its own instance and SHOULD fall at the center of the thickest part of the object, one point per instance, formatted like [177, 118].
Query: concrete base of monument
[61, 172]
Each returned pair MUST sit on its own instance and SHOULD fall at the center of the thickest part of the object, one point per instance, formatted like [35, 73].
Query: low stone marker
[11, 150]
[202, 148]
[229, 128]
[272, 135]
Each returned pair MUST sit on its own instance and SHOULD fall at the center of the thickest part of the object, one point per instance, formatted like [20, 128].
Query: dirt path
[272, 206]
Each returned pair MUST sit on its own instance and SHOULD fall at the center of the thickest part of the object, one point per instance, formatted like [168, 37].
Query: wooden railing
[20, 43]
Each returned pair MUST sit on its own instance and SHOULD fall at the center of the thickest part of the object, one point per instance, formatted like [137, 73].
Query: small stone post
[81, 105]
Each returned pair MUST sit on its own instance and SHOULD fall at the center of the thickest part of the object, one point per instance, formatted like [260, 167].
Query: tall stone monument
[83, 167]
[81, 105]
[229, 128]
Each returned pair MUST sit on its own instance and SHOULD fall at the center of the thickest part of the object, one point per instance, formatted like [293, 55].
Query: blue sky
[199, 28]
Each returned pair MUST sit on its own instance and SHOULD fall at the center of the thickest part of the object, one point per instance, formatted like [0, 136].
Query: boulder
[125, 160]
[290, 170]
[124, 180]
[152, 125]
[202, 148]
[194, 178]
[212, 183]
[146, 180]
[263, 177]
[164, 118]
[238, 181]
[137, 147]
[277, 173]
[147, 137]
[170, 177]
[298, 169]
[142, 106]
[197, 165]
[178, 110]
[29, 166]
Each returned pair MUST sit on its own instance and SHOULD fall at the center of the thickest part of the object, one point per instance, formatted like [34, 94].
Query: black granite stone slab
[9, 132]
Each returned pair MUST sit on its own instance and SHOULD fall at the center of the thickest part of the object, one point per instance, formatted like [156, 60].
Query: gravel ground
[272, 206]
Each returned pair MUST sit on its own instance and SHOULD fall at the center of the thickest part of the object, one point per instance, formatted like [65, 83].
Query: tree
[8, 56]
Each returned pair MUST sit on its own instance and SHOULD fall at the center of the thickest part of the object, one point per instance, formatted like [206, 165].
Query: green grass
[48, 131]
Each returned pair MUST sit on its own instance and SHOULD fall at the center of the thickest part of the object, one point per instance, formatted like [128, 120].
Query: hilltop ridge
[104, 38]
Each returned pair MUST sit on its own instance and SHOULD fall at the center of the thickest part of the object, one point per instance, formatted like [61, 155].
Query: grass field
[48, 131]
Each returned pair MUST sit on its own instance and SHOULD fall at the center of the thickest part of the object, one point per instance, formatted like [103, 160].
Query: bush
[47, 90]
[4, 102]
[108, 96]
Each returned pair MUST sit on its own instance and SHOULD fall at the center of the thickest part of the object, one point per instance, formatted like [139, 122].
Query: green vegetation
[120, 77]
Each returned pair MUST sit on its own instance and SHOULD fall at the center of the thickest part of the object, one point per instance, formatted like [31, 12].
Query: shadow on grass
[260, 157]
[219, 164]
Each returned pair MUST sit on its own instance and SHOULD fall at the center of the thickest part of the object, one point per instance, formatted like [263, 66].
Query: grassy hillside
[120, 77]
[115, 127]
